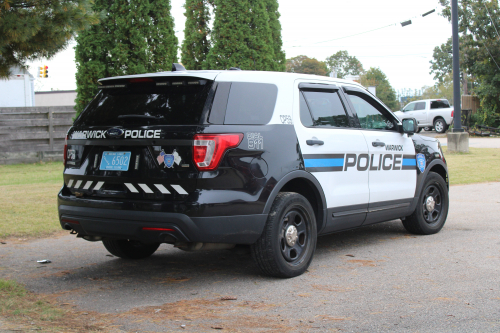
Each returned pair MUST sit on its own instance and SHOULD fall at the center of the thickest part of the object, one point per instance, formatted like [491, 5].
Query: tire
[440, 125]
[427, 129]
[129, 249]
[429, 218]
[419, 130]
[292, 215]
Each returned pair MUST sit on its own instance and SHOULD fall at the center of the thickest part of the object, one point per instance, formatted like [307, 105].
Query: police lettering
[374, 162]
[143, 134]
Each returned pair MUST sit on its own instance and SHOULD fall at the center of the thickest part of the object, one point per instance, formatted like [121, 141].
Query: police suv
[212, 159]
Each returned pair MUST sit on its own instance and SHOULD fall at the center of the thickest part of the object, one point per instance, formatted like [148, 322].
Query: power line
[493, 24]
[361, 33]
[368, 31]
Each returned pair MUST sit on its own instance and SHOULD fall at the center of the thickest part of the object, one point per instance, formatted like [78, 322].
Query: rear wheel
[419, 130]
[432, 208]
[287, 244]
[129, 249]
[440, 125]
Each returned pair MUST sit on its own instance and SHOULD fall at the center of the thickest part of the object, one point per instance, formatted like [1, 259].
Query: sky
[367, 29]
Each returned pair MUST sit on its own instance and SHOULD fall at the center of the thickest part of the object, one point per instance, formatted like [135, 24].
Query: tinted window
[369, 116]
[169, 105]
[440, 104]
[305, 115]
[251, 103]
[326, 109]
[420, 106]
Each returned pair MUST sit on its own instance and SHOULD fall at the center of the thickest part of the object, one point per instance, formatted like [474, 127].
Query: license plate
[115, 160]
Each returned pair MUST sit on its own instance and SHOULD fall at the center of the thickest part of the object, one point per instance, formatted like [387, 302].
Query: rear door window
[326, 109]
[180, 102]
[250, 103]
[440, 105]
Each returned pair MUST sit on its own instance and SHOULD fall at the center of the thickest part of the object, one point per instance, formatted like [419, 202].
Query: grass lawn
[28, 196]
[28, 192]
[29, 312]
[478, 166]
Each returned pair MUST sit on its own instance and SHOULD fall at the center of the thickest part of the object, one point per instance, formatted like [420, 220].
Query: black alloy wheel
[432, 204]
[286, 247]
[431, 212]
[295, 235]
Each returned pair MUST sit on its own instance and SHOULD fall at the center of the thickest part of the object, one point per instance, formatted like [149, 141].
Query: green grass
[28, 199]
[38, 173]
[25, 311]
[478, 166]
[17, 302]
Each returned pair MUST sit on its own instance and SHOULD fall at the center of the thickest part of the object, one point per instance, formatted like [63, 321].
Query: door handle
[315, 142]
[378, 144]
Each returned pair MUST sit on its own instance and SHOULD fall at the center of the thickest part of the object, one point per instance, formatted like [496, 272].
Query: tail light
[452, 112]
[65, 149]
[208, 149]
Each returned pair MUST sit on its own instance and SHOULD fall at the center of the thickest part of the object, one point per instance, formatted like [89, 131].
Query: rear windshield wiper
[141, 116]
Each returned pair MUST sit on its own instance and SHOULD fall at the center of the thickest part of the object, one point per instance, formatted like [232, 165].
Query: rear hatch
[135, 139]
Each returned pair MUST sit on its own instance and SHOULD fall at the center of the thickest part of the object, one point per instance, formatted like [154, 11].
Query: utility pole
[458, 140]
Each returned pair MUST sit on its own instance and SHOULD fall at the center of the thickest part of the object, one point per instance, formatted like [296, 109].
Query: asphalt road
[373, 279]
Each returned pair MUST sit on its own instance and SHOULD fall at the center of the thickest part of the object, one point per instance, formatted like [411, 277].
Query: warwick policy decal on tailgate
[169, 159]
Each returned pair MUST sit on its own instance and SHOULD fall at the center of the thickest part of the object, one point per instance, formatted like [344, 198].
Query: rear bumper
[241, 229]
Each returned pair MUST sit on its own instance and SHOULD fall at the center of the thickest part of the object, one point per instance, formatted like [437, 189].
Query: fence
[32, 134]
[470, 103]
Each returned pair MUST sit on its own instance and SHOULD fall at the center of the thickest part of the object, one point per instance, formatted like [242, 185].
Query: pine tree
[275, 25]
[241, 36]
[195, 46]
[136, 36]
[39, 29]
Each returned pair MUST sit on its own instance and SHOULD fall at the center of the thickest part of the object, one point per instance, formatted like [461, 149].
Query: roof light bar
[113, 86]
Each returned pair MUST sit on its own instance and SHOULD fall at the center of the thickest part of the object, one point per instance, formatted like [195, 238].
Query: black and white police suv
[212, 159]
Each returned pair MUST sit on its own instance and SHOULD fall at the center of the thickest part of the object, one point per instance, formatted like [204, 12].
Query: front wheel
[440, 125]
[286, 247]
[129, 249]
[432, 208]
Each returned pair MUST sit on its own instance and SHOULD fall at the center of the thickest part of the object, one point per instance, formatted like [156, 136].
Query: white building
[18, 89]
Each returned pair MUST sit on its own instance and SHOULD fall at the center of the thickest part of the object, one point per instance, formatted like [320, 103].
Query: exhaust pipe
[203, 246]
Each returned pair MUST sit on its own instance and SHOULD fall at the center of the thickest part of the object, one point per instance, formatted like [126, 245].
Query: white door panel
[342, 186]
[392, 172]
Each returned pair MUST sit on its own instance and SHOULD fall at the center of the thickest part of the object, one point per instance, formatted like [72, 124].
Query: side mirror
[410, 126]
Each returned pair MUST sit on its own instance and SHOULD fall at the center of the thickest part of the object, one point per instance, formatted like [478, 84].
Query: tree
[32, 29]
[480, 52]
[442, 64]
[443, 89]
[275, 26]
[241, 36]
[136, 36]
[306, 65]
[196, 45]
[385, 92]
[343, 64]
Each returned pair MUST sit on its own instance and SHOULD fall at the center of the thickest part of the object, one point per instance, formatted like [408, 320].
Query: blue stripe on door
[409, 161]
[324, 162]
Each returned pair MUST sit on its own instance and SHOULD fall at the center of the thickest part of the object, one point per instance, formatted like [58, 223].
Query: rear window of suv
[440, 104]
[168, 103]
[250, 103]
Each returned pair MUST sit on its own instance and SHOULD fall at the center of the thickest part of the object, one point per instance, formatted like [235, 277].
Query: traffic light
[45, 71]
[40, 69]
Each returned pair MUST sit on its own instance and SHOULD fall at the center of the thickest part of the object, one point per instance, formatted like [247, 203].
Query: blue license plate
[115, 160]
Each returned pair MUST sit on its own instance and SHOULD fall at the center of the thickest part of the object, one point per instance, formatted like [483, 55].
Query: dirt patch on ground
[220, 314]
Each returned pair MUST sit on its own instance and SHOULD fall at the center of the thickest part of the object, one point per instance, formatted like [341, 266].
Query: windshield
[179, 104]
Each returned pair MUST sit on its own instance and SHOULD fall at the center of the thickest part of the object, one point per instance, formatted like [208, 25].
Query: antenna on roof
[178, 67]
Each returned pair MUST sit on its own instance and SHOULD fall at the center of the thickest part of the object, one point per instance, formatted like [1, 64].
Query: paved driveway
[374, 279]
[473, 142]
